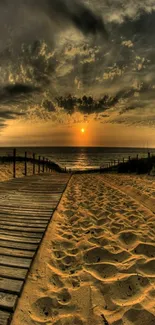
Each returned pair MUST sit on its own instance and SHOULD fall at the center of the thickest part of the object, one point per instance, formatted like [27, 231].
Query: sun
[83, 130]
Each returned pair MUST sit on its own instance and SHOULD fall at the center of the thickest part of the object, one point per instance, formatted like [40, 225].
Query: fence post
[25, 172]
[43, 164]
[148, 163]
[46, 164]
[129, 158]
[39, 165]
[118, 161]
[14, 163]
[123, 160]
[137, 156]
[33, 163]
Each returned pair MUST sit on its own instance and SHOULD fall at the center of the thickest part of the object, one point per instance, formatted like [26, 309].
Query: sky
[72, 64]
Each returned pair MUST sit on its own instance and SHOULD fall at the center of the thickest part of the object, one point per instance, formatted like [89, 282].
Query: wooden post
[123, 160]
[114, 162]
[43, 164]
[14, 163]
[137, 156]
[46, 164]
[129, 158]
[33, 163]
[118, 161]
[25, 172]
[148, 163]
[39, 165]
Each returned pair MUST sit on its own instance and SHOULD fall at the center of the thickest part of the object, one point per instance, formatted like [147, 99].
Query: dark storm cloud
[76, 12]
[48, 105]
[30, 54]
[25, 26]
[11, 93]
[17, 89]
[8, 115]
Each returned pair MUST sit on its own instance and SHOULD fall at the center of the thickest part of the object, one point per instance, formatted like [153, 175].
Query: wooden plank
[17, 228]
[27, 208]
[13, 272]
[20, 239]
[22, 246]
[8, 301]
[22, 224]
[15, 261]
[24, 213]
[21, 234]
[16, 252]
[25, 217]
[5, 317]
[11, 285]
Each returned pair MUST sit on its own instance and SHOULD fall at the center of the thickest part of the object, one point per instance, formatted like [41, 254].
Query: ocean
[81, 157]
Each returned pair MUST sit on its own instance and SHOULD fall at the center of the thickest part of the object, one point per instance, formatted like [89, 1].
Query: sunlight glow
[82, 130]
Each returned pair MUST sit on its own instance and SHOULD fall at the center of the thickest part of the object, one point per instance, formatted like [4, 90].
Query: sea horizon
[77, 157]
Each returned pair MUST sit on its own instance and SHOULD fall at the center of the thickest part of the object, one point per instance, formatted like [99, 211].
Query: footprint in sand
[128, 238]
[64, 296]
[139, 317]
[148, 268]
[102, 271]
[70, 320]
[98, 254]
[55, 281]
[128, 291]
[45, 308]
[145, 249]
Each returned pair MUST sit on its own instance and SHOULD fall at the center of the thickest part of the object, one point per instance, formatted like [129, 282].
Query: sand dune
[6, 170]
[96, 264]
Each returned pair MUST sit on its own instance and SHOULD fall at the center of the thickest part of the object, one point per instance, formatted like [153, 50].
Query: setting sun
[82, 130]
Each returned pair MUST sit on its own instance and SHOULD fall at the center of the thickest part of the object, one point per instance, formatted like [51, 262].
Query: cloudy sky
[54, 52]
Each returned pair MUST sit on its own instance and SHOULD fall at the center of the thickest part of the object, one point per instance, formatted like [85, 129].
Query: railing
[132, 164]
[39, 165]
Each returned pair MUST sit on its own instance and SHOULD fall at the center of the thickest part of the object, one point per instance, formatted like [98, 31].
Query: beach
[6, 170]
[96, 262]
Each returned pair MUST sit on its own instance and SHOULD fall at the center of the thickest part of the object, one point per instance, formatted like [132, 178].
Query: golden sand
[96, 264]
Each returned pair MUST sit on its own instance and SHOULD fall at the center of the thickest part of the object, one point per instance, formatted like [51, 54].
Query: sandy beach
[6, 170]
[96, 263]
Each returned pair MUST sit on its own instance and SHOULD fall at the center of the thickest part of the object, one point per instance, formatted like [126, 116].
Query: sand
[6, 170]
[96, 264]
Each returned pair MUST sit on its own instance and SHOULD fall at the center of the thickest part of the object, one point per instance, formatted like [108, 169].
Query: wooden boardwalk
[26, 207]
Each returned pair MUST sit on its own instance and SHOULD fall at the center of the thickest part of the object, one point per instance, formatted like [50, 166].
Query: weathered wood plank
[15, 261]
[25, 217]
[8, 301]
[21, 234]
[5, 317]
[17, 228]
[26, 214]
[18, 245]
[11, 285]
[26, 207]
[13, 272]
[16, 252]
[19, 205]
[20, 239]
[23, 224]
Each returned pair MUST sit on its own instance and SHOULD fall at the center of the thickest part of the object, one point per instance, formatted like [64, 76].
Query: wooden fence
[130, 164]
[39, 164]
